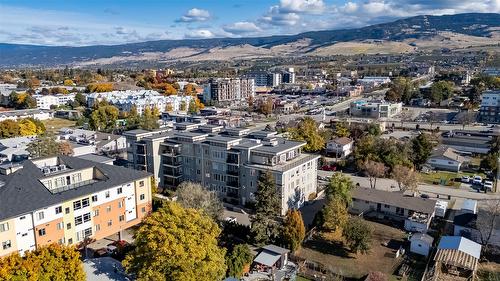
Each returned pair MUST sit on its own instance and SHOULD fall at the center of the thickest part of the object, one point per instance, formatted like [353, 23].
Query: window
[94, 198]
[60, 226]
[110, 223]
[78, 220]
[141, 183]
[120, 204]
[70, 241]
[119, 190]
[86, 217]
[6, 244]
[41, 232]
[121, 218]
[68, 225]
[77, 205]
[143, 209]
[4, 226]
[108, 209]
[58, 210]
[106, 194]
[66, 211]
[22, 218]
[41, 215]
[96, 213]
[97, 227]
[85, 203]
[61, 241]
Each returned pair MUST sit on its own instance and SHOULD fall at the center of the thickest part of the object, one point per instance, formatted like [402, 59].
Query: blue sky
[76, 23]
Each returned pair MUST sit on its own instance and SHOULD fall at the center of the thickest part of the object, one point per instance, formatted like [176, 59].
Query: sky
[92, 22]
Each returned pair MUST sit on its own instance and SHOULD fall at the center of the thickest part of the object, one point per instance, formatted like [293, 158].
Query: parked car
[478, 180]
[488, 185]
[465, 179]
[329, 168]
[424, 196]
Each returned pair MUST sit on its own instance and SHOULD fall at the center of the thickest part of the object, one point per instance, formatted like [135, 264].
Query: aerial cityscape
[283, 140]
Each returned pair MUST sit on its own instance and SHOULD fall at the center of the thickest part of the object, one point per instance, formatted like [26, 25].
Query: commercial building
[489, 112]
[66, 200]
[141, 99]
[228, 90]
[265, 78]
[228, 161]
[375, 109]
[48, 101]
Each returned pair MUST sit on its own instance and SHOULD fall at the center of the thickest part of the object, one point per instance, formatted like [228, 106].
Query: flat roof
[396, 198]
[282, 146]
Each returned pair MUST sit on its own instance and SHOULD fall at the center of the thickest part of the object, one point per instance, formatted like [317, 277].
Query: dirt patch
[328, 250]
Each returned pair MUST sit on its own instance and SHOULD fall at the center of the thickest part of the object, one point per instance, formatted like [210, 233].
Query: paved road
[433, 190]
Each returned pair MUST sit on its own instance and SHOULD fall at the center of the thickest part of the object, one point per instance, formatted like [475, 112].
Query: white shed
[469, 206]
[421, 244]
[440, 209]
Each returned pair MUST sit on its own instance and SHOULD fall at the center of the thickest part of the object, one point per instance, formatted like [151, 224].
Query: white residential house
[340, 147]
[445, 158]
[421, 243]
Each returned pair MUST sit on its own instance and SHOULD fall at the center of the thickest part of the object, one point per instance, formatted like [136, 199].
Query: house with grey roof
[445, 158]
[414, 213]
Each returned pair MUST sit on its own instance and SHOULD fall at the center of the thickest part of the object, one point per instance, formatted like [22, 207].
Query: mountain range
[459, 31]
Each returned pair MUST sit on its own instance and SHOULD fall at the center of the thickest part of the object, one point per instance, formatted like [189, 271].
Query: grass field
[327, 249]
[449, 178]
[53, 125]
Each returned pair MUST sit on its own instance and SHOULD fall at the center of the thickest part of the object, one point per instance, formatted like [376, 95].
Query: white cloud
[200, 34]
[275, 17]
[302, 6]
[241, 27]
[195, 15]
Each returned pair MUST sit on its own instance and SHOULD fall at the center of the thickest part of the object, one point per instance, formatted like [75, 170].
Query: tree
[236, 260]
[68, 82]
[335, 214]
[45, 145]
[339, 187]
[441, 90]
[376, 276]
[52, 262]
[169, 107]
[192, 109]
[487, 220]
[99, 87]
[373, 170]
[170, 90]
[9, 129]
[267, 209]
[193, 195]
[104, 118]
[133, 118]
[182, 106]
[80, 99]
[358, 235]
[294, 231]
[149, 121]
[421, 149]
[308, 131]
[190, 89]
[466, 118]
[65, 148]
[406, 178]
[341, 129]
[175, 243]
[267, 106]
[27, 127]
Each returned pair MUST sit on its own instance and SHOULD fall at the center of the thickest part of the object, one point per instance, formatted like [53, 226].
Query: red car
[329, 168]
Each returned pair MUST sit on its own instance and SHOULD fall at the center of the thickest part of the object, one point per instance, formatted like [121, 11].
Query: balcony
[232, 183]
[172, 172]
[232, 172]
[233, 158]
[171, 161]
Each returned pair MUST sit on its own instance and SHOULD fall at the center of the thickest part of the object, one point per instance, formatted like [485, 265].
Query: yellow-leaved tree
[175, 243]
[52, 262]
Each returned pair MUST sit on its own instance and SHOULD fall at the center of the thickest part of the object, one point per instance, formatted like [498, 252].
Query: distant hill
[404, 35]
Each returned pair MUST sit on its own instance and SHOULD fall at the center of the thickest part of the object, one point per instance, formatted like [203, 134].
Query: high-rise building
[229, 162]
[265, 78]
[229, 90]
[288, 76]
[66, 200]
[489, 111]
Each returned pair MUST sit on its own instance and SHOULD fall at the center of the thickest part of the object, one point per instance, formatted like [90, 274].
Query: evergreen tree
[236, 260]
[267, 208]
[358, 235]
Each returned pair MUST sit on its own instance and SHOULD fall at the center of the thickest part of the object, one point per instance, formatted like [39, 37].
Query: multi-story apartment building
[48, 101]
[228, 161]
[489, 111]
[67, 200]
[142, 99]
[265, 78]
[229, 90]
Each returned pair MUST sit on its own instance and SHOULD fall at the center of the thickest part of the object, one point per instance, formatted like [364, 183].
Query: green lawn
[448, 178]
[300, 278]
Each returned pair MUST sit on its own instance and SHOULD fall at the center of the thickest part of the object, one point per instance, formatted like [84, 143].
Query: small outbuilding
[421, 243]
[456, 258]
[271, 257]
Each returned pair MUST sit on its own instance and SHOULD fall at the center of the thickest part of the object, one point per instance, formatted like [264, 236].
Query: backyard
[327, 249]
[445, 178]
[53, 125]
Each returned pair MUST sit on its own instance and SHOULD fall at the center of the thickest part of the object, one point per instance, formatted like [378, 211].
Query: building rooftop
[459, 251]
[397, 199]
[447, 152]
[23, 191]
[282, 145]
[423, 237]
